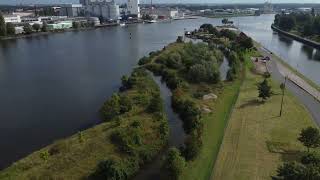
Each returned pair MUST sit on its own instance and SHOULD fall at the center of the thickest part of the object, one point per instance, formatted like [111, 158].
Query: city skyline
[16, 2]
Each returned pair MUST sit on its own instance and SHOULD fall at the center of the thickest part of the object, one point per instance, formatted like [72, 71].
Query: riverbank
[134, 125]
[226, 16]
[298, 38]
[257, 140]
[36, 34]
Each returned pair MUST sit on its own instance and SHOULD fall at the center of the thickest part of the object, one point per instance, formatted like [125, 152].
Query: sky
[14, 2]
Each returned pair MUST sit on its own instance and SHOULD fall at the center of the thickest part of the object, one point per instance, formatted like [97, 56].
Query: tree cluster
[308, 167]
[305, 23]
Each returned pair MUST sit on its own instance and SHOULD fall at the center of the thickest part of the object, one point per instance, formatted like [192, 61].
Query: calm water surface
[52, 86]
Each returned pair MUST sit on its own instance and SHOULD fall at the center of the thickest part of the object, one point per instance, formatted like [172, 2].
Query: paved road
[308, 100]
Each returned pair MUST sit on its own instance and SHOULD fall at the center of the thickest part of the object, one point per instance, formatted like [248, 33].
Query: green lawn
[257, 140]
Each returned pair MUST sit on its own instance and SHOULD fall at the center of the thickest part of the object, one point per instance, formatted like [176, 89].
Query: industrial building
[133, 7]
[60, 25]
[71, 10]
[12, 18]
[103, 8]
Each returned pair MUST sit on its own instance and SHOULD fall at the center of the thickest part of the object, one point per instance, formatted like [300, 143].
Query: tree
[264, 90]
[310, 159]
[10, 29]
[112, 169]
[3, 29]
[179, 39]
[36, 27]
[282, 87]
[287, 22]
[155, 104]
[76, 25]
[290, 171]
[27, 29]
[310, 137]
[225, 21]
[44, 27]
[174, 163]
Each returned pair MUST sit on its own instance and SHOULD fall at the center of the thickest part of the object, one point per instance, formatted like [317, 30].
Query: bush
[125, 104]
[111, 108]
[144, 60]
[174, 163]
[27, 28]
[116, 169]
[10, 29]
[192, 147]
[127, 140]
[36, 27]
[155, 104]
[179, 39]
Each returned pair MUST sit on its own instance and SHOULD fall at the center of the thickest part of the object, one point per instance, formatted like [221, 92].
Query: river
[52, 86]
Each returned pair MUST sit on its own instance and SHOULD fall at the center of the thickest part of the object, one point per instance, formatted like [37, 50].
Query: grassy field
[257, 140]
[77, 157]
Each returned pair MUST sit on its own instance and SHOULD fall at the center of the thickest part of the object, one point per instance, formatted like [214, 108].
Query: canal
[52, 86]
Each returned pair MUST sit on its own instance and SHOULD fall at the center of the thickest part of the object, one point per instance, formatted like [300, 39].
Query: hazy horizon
[16, 2]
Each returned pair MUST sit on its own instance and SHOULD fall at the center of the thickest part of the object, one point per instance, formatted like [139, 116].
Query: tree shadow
[253, 102]
[291, 155]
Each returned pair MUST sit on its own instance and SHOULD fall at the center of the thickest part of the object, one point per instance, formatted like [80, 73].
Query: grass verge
[214, 126]
[257, 140]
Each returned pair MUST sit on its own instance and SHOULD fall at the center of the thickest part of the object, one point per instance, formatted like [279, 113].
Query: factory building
[102, 8]
[133, 7]
[71, 10]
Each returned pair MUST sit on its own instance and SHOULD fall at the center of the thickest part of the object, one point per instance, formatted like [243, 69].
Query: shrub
[125, 104]
[111, 108]
[144, 60]
[27, 28]
[174, 163]
[264, 90]
[10, 29]
[127, 140]
[192, 147]
[58, 147]
[36, 27]
[116, 169]
[44, 155]
[155, 103]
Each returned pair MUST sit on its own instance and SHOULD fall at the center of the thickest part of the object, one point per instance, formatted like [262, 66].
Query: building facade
[12, 19]
[71, 10]
[133, 7]
[101, 8]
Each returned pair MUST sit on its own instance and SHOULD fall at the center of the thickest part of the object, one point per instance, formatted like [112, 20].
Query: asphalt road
[311, 103]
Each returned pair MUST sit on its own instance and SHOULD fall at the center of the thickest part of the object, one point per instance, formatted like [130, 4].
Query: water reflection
[308, 51]
[286, 41]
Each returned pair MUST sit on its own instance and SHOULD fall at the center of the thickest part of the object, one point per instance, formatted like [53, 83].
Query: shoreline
[36, 34]
[297, 38]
